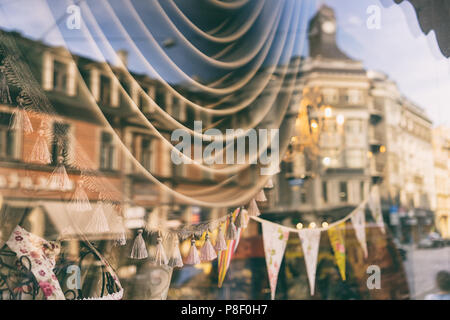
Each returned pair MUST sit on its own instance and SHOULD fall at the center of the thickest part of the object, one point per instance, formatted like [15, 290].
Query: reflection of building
[87, 143]
[441, 144]
[359, 130]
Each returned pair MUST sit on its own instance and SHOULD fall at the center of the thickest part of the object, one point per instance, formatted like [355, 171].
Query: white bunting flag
[310, 239]
[375, 208]
[359, 224]
[275, 238]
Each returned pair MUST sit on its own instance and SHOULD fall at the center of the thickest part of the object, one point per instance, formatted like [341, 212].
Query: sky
[398, 48]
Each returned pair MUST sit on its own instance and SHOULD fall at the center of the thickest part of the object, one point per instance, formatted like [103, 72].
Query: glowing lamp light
[299, 226]
[326, 161]
[328, 112]
[340, 119]
[312, 225]
[324, 224]
[382, 149]
[314, 125]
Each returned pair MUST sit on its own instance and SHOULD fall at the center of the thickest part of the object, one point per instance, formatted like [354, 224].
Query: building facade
[354, 130]
[441, 145]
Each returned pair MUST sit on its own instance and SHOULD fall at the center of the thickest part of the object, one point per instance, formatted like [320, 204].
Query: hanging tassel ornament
[98, 222]
[160, 256]
[59, 178]
[207, 253]
[193, 257]
[139, 250]
[40, 153]
[231, 233]
[20, 120]
[221, 243]
[80, 200]
[269, 184]
[5, 96]
[253, 209]
[176, 261]
[261, 197]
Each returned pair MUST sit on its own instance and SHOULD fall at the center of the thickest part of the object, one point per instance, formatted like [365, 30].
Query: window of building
[60, 76]
[146, 153]
[343, 192]
[325, 191]
[7, 137]
[105, 90]
[303, 197]
[361, 190]
[354, 96]
[330, 96]
[160, 98]
[60, 144]
[107, 151]
[355, 158]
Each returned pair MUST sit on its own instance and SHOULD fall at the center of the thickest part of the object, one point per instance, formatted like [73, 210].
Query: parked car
[433, 240]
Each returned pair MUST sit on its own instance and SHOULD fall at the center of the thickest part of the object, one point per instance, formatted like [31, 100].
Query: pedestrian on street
[443, 283]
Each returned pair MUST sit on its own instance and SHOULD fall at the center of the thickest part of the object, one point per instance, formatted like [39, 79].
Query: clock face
[328, 27]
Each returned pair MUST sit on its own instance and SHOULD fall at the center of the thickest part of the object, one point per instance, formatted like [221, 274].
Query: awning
[72, 224]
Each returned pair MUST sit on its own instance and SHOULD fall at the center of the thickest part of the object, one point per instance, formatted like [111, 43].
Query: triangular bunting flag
[226, 255]
[275, 238]
[337, 240]
[310, 239]
[375, 208]
[359, 224]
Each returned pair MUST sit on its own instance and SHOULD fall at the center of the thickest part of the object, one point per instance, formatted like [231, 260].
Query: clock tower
[322, 35]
